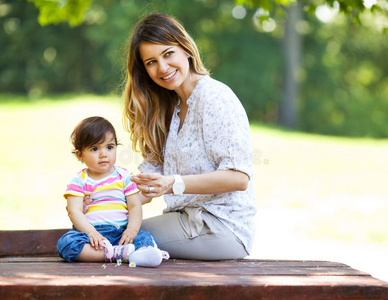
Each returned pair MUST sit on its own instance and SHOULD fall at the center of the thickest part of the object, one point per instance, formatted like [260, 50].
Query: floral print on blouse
[215, 136]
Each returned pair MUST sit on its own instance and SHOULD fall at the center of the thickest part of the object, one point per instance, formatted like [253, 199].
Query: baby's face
[100, 158]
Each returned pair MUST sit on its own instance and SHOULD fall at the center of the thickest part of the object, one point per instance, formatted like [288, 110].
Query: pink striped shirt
[109, 206]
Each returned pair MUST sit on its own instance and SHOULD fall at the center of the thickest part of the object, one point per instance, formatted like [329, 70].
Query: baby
[110, 230]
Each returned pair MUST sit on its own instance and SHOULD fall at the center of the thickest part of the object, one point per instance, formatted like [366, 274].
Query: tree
[292, 48]
[291, 11]
[288, 12]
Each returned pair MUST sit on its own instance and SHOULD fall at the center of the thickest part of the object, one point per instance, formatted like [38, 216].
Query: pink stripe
[75, 188]
[90, 187]
[130, 188]
[112, 179]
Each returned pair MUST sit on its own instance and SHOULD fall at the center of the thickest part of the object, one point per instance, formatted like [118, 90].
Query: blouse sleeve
[148, 167]
[226, 132]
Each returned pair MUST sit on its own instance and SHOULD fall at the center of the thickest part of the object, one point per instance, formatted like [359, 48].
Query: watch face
[178, 188]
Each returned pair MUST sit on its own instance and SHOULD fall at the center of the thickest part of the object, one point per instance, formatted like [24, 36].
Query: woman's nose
[163, 66]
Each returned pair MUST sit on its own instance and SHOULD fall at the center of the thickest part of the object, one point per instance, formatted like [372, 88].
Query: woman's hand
[216, 182]
[153, 184]
[86, 202]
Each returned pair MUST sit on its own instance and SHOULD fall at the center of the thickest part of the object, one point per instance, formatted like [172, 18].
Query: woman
[195, 139]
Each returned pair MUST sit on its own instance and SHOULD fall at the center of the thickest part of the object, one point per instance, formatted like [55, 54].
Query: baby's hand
[96, 239]
[128, 236]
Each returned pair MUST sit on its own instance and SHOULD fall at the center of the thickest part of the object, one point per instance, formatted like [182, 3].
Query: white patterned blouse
[215, 136]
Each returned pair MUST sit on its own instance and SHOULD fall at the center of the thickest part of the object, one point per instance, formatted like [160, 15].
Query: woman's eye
[169, 53]
[150, 63]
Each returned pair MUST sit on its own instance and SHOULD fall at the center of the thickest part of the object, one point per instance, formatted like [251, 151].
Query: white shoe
[150, 257]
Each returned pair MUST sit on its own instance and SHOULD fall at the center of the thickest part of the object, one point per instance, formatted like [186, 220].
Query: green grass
[335, 186]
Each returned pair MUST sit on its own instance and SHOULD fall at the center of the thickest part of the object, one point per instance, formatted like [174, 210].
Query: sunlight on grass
[322, 198]
[311, 191]
[338, 183]
[37, 163]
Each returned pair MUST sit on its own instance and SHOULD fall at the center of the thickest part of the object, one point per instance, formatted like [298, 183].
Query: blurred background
[312, 77]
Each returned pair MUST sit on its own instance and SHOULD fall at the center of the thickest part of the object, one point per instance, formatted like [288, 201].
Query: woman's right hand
[86, 202]
[153, 184]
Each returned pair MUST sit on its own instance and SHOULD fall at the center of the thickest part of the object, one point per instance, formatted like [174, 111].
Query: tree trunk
[292, 47]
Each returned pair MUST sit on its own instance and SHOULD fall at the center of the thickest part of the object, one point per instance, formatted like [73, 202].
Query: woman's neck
[186, 89]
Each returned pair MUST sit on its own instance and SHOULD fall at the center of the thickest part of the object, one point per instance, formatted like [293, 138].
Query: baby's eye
[111, 147]
[94, 149]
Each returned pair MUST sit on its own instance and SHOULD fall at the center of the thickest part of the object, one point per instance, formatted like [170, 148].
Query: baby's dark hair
[91, 131]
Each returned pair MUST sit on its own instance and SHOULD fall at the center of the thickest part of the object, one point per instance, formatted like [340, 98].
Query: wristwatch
[178, 187]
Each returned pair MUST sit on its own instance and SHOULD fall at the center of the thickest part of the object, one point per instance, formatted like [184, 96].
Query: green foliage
[344, 91]
[90, 57]
[57, 11]
[264, 4]
[353, 9]
[344, 67]
[74, 11]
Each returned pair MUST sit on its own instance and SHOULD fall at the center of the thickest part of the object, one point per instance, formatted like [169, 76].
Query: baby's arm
[135, 217]
[75, 210]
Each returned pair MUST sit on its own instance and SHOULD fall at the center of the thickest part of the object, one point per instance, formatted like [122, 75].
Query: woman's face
[167, 65]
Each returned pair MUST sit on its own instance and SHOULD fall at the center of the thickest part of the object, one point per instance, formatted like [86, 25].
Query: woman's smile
[170, 75]
[167, 66]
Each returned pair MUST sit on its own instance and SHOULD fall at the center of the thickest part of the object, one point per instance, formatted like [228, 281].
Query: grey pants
[194, 234]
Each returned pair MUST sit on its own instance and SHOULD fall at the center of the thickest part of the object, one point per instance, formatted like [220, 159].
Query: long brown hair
[148, 107]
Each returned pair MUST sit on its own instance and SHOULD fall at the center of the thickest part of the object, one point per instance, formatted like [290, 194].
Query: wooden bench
[30, 269]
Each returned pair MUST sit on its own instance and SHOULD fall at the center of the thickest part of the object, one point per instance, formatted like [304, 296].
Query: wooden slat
[36, 277]
[46, 278]
[161, 292]
[244, 265]
[229, 268]
[29, 242]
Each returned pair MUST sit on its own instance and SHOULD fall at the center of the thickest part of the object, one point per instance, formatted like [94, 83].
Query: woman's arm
[81, 223]
[220, 181]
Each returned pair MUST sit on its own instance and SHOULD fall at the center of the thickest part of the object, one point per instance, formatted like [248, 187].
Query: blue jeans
[71, 244]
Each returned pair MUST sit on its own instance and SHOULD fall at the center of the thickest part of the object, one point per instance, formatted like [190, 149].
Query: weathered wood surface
[29, 242]
[48, 277]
